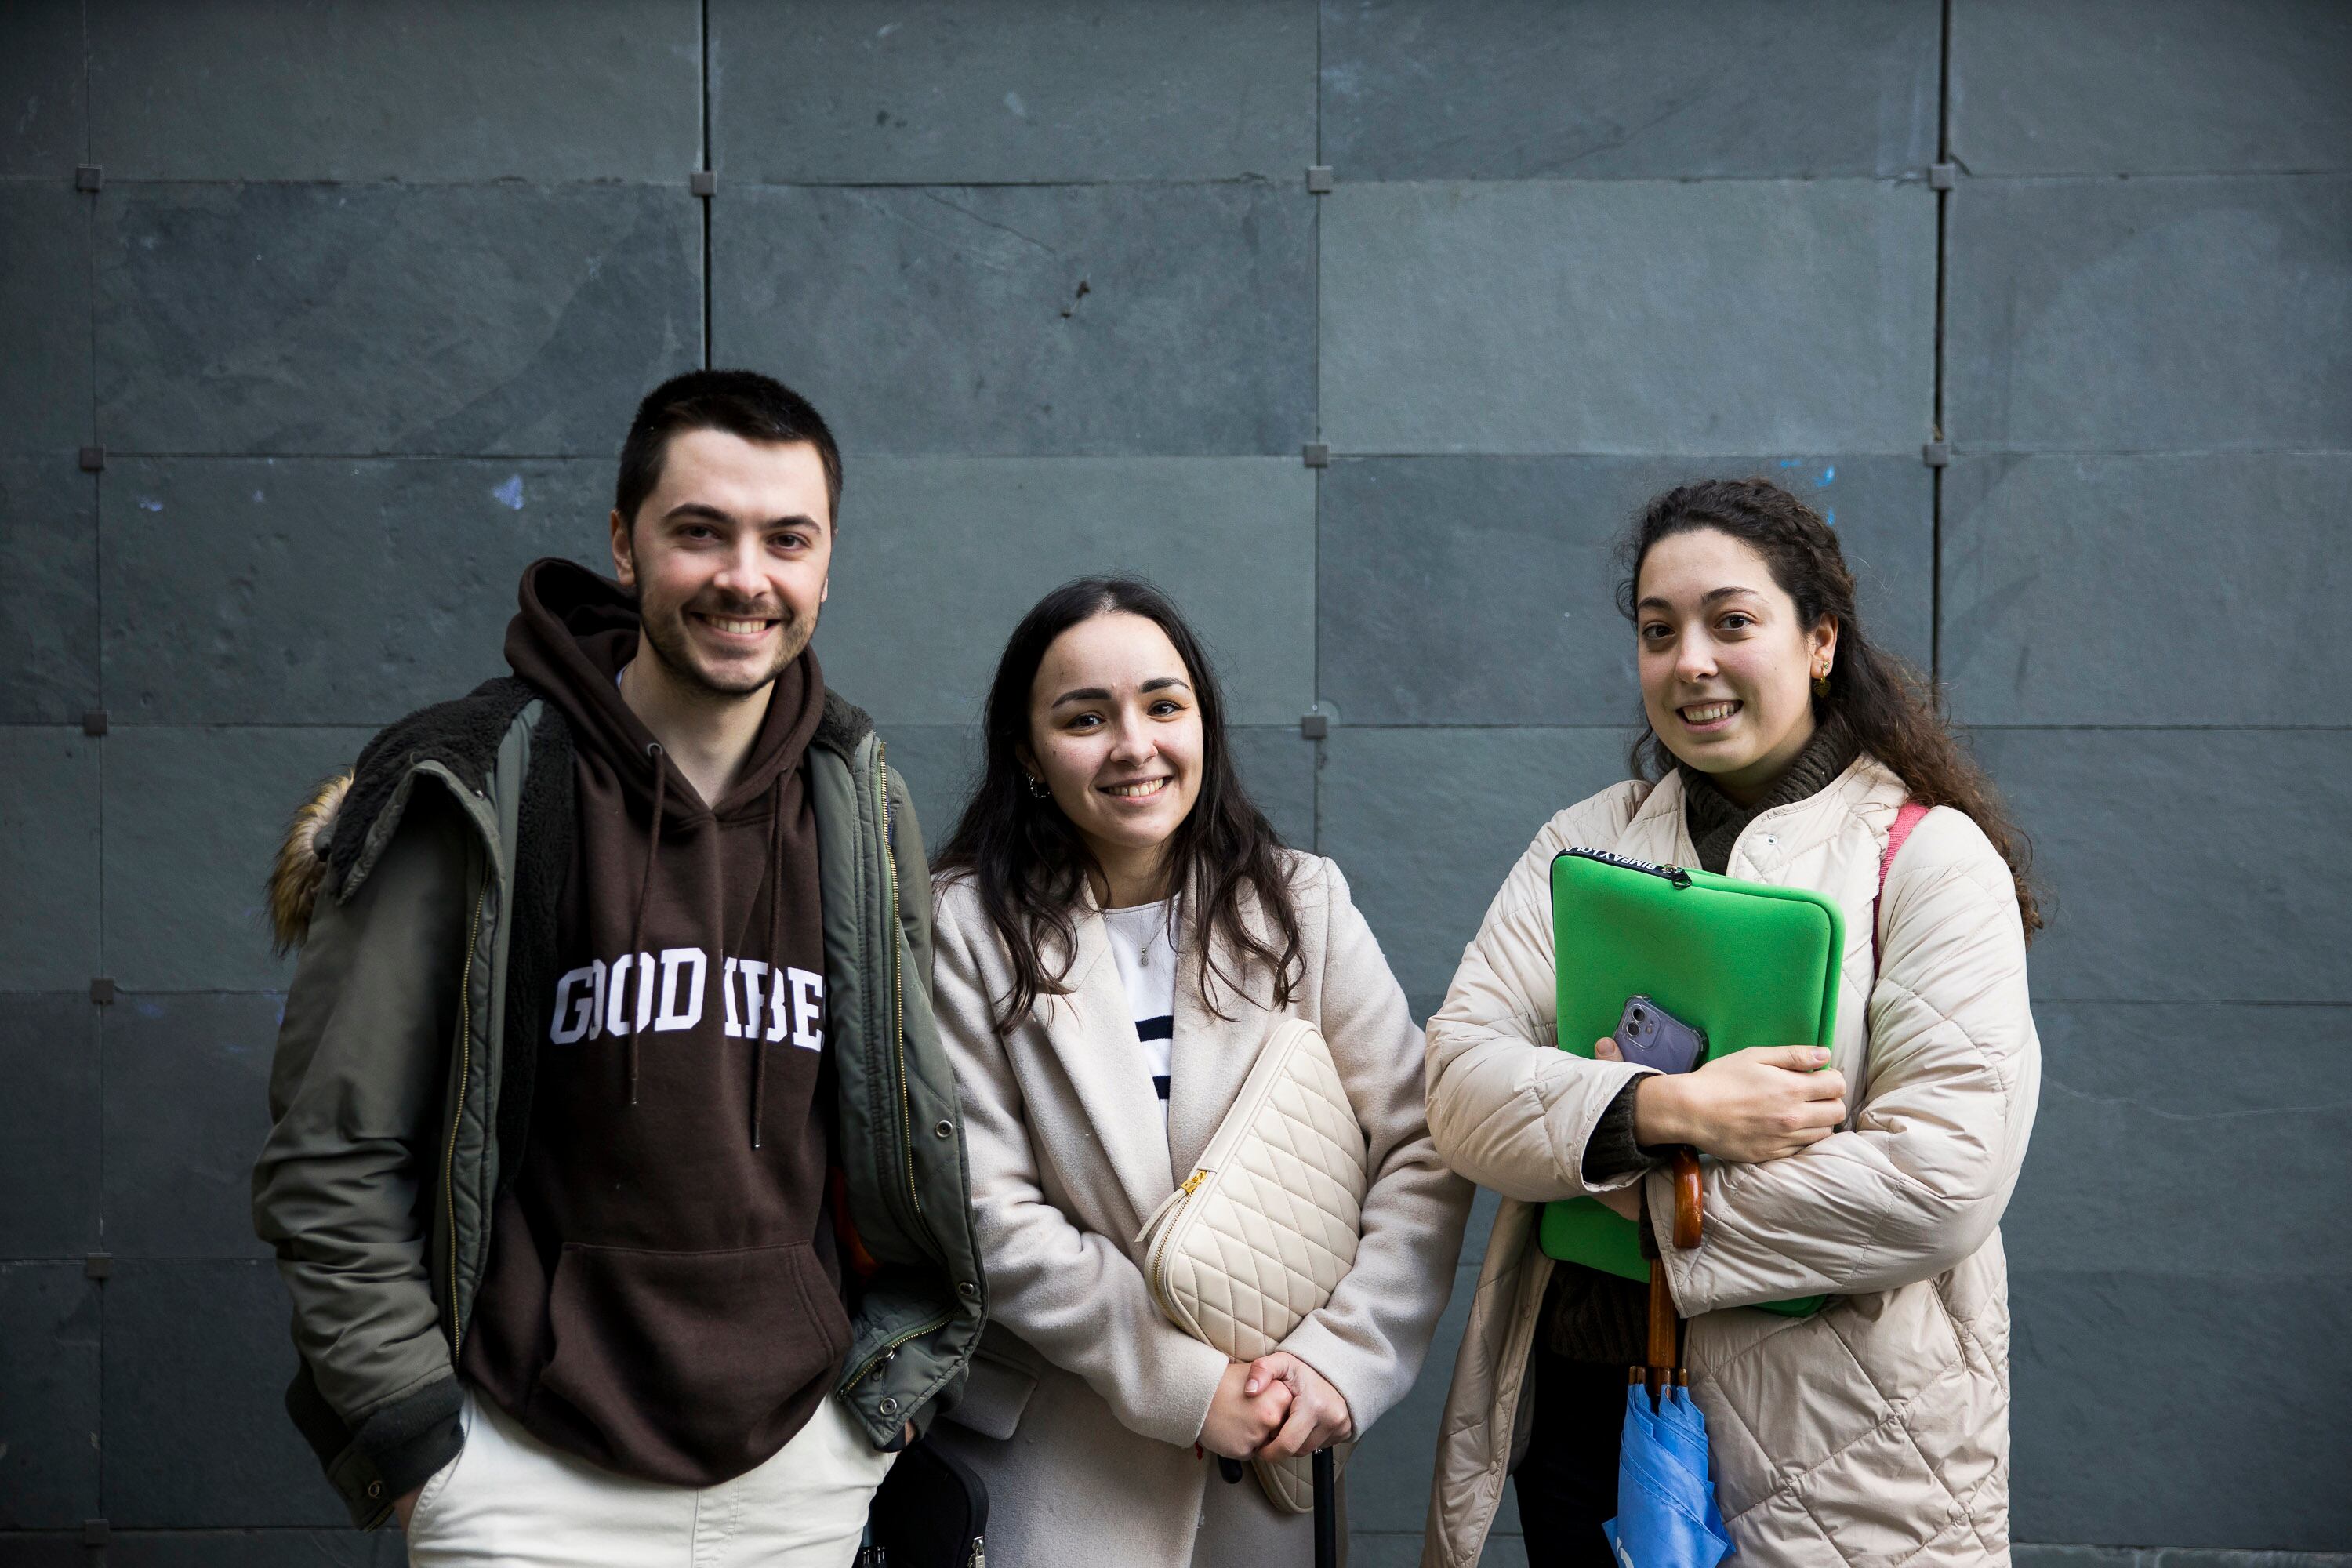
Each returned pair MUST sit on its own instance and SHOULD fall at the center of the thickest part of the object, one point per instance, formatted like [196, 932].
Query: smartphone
[1649, 1035]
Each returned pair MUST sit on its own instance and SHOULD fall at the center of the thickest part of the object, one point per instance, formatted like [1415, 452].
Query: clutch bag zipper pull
[1192, 1185]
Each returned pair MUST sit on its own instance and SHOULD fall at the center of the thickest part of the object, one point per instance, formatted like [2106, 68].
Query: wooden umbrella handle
[1689, 1205]
[1665, 1325]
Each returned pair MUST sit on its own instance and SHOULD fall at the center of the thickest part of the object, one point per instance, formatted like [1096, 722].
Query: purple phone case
[1650, 1036]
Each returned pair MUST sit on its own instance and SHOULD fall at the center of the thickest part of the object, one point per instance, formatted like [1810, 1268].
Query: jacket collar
[1093, 1034]
[1092, 1030]
[1867, 788]
[1212, 1054]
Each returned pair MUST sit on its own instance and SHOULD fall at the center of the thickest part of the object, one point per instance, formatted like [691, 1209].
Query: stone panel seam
[2058, 177]
[97, 1036]
[707, 165]
[1940, 439]
[1315, 563]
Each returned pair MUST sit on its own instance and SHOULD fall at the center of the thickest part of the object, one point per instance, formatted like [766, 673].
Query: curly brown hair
[1885, 701]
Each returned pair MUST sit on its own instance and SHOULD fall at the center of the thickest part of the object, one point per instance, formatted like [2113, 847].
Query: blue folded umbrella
[1666, 1513]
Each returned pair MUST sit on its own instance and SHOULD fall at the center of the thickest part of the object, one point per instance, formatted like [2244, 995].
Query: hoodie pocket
[691, 1367]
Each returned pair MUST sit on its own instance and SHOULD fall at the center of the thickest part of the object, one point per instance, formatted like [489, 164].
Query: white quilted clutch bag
[1263, 1232]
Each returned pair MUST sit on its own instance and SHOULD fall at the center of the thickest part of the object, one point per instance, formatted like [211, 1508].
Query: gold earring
[1822, 681]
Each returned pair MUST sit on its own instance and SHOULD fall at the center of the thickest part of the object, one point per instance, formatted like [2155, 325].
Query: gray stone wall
[351, 319]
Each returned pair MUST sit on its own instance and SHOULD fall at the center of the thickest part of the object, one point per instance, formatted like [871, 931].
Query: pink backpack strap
[1905, 821]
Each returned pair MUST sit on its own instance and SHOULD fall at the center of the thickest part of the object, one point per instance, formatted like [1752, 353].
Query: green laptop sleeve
[1744, 964]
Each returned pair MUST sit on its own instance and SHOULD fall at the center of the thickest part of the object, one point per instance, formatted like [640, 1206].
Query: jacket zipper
[891, 1346]
[898, 997]
[457, 1117]
[1674, 874]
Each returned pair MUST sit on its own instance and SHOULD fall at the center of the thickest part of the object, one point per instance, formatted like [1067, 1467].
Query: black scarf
[1715, 821]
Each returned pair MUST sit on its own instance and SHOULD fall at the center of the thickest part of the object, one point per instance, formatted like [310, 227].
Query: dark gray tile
[2143, 1150]
[49, 1126]
[185, 910]
[1230, 541]
[2185, 1386]
[940, 763]
[2236, 1557]
[49, 1396]
[1169, 319]
[57, 1549]
[386, 1547]
[1628, 316]
[44, 313]
[1482, 590]
[181, 1185]
[1495, 89]
[2140, 87]
[1277, 769]
[320, 591]
[1427, 823]
[2135, 590]
[602, 89]
[387, 319]
[196, 1434]
[44, 133]
[2170, 863]
[48, 590]
[1036, 90]
[49, 858]
[2138, 315]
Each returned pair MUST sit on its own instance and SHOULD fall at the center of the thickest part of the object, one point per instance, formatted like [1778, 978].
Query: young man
[614, 1143]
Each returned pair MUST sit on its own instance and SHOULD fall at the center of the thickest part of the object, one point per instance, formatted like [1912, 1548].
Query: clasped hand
[1746, 1107]
[1274, 1408]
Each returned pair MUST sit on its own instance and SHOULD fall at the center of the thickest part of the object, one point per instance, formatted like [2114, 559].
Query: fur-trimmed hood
[302, 866]
[352, 812]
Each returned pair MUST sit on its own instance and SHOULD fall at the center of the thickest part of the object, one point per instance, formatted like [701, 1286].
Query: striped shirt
[1143, 941]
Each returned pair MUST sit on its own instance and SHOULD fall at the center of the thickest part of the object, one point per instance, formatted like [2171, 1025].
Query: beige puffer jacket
[1876, 1431]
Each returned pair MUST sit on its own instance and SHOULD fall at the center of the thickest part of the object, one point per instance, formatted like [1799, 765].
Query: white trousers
[509, 1498]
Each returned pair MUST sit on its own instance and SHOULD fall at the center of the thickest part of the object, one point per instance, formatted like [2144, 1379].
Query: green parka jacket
[421, 889]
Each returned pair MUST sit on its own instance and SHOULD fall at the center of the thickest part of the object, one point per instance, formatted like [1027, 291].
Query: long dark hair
[1027, 862]
[1883, 700]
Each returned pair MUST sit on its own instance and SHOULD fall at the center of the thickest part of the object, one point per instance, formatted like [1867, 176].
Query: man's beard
[666, 634]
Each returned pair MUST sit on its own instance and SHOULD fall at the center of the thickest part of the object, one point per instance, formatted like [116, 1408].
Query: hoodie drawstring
[754, 1029]
[776, 947]
[637, 924]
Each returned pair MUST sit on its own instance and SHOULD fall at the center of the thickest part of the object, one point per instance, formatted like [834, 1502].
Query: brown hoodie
[662, 1296]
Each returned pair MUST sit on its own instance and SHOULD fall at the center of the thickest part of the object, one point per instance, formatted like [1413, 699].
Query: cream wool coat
[1876, 1432]
[1085, 1403]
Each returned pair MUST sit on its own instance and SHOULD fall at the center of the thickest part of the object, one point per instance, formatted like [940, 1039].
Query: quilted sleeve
[1369, 1340]
[1506, 1113]
[1073, 1296]
[1920, 1182]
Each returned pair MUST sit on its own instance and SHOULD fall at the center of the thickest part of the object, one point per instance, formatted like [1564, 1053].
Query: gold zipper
[1167, 1223]
[457, 1117]
[878, 1357]
[898, 996]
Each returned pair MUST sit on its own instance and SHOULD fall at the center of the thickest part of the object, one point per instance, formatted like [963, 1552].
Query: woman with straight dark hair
[1118, 931]
[1782, 747]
